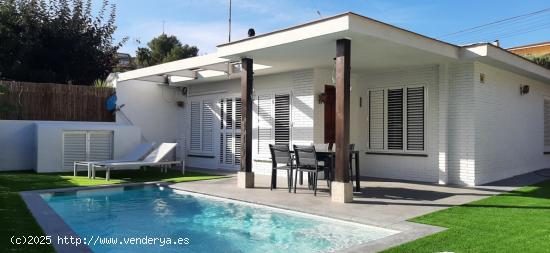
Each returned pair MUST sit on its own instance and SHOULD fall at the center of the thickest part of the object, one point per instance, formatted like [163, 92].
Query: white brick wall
[442, 124]
[403, 167]
[509, 127]
[476, 133]
[303, 99]
[460, 122]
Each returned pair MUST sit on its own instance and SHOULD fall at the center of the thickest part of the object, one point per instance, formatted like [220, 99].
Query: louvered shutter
[282, 119]
[229, 114]
[222, 111]
[395, 119]
[376, 119]
[238, 108]
[229, 149]
[74, 148]
[415, 118]
[546, 122]
[222, 107]
[265, 124]
[100, 145]
[207, 126]
[195, 143]
[237, 148]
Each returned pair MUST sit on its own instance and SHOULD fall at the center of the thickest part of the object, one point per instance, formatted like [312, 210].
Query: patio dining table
[331, 154]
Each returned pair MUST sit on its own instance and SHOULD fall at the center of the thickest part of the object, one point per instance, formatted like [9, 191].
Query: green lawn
[15, 218]
[517, 221]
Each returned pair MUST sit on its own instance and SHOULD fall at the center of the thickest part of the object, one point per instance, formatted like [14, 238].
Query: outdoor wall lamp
[523, 89]
[322, 98]
[184, 91]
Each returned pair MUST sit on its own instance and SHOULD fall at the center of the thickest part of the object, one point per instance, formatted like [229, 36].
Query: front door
[230, 133]
[330, 114]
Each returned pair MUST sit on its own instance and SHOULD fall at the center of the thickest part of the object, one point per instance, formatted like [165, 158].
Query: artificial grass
[516, 221]
[16, 219]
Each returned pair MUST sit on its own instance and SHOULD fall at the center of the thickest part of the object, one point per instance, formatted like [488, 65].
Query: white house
[419, 109]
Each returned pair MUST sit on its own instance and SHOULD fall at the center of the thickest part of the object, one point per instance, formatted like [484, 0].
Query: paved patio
[382, 203]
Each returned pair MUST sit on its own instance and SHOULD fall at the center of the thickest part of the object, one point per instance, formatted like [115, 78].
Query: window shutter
[74, 148]
[265, 124]
[376, 119]
[207, 126]
[237, 148]
[222, 147]
[395, 119]
[546, 122]
[229, 114]
[195, 143]
[415, 118]
[228, 149]
[282, 119]
[238, 107]
[100, 146]
[221, 113]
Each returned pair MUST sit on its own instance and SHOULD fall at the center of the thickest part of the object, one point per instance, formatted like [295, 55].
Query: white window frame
[404, 150]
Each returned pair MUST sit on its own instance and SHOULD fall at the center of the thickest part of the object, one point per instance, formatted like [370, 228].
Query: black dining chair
[351, 157]
[325, 161]
[280, 155]
[306, 161]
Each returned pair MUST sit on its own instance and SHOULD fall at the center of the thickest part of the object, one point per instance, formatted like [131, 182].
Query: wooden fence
[59, 102]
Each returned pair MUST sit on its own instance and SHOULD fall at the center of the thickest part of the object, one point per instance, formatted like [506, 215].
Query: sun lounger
[157, 158]
[137, 154]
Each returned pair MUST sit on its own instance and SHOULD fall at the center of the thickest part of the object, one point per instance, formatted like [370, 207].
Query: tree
[144, 57]
[163, 49]
[57, 41]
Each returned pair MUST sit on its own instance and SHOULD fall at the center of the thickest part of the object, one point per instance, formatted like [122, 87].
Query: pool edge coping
[45, 217]
[52, 224]
[407, 231]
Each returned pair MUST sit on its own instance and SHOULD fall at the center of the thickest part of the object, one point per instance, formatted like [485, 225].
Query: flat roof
[330, 28]
[326, 19]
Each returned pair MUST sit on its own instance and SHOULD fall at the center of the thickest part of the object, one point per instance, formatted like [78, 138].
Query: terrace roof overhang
[375, 46]
[192, 69]
[305, 46]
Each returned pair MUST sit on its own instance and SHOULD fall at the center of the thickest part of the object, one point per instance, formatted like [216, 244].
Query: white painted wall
[153, 108]
[17, 145]
[49, 141]
[509, 129]
[37, 145]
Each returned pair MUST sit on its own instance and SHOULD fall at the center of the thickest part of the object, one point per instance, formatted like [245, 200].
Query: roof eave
[489, 51]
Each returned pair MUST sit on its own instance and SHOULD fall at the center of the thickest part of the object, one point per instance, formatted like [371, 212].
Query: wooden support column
[342, 189]
[245, 177]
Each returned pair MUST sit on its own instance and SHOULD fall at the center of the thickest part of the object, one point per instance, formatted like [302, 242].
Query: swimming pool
[197, 223]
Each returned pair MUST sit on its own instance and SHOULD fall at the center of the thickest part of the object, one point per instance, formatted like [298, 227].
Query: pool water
[209, 224]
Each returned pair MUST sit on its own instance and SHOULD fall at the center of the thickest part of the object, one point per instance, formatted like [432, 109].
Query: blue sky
[204, 22]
